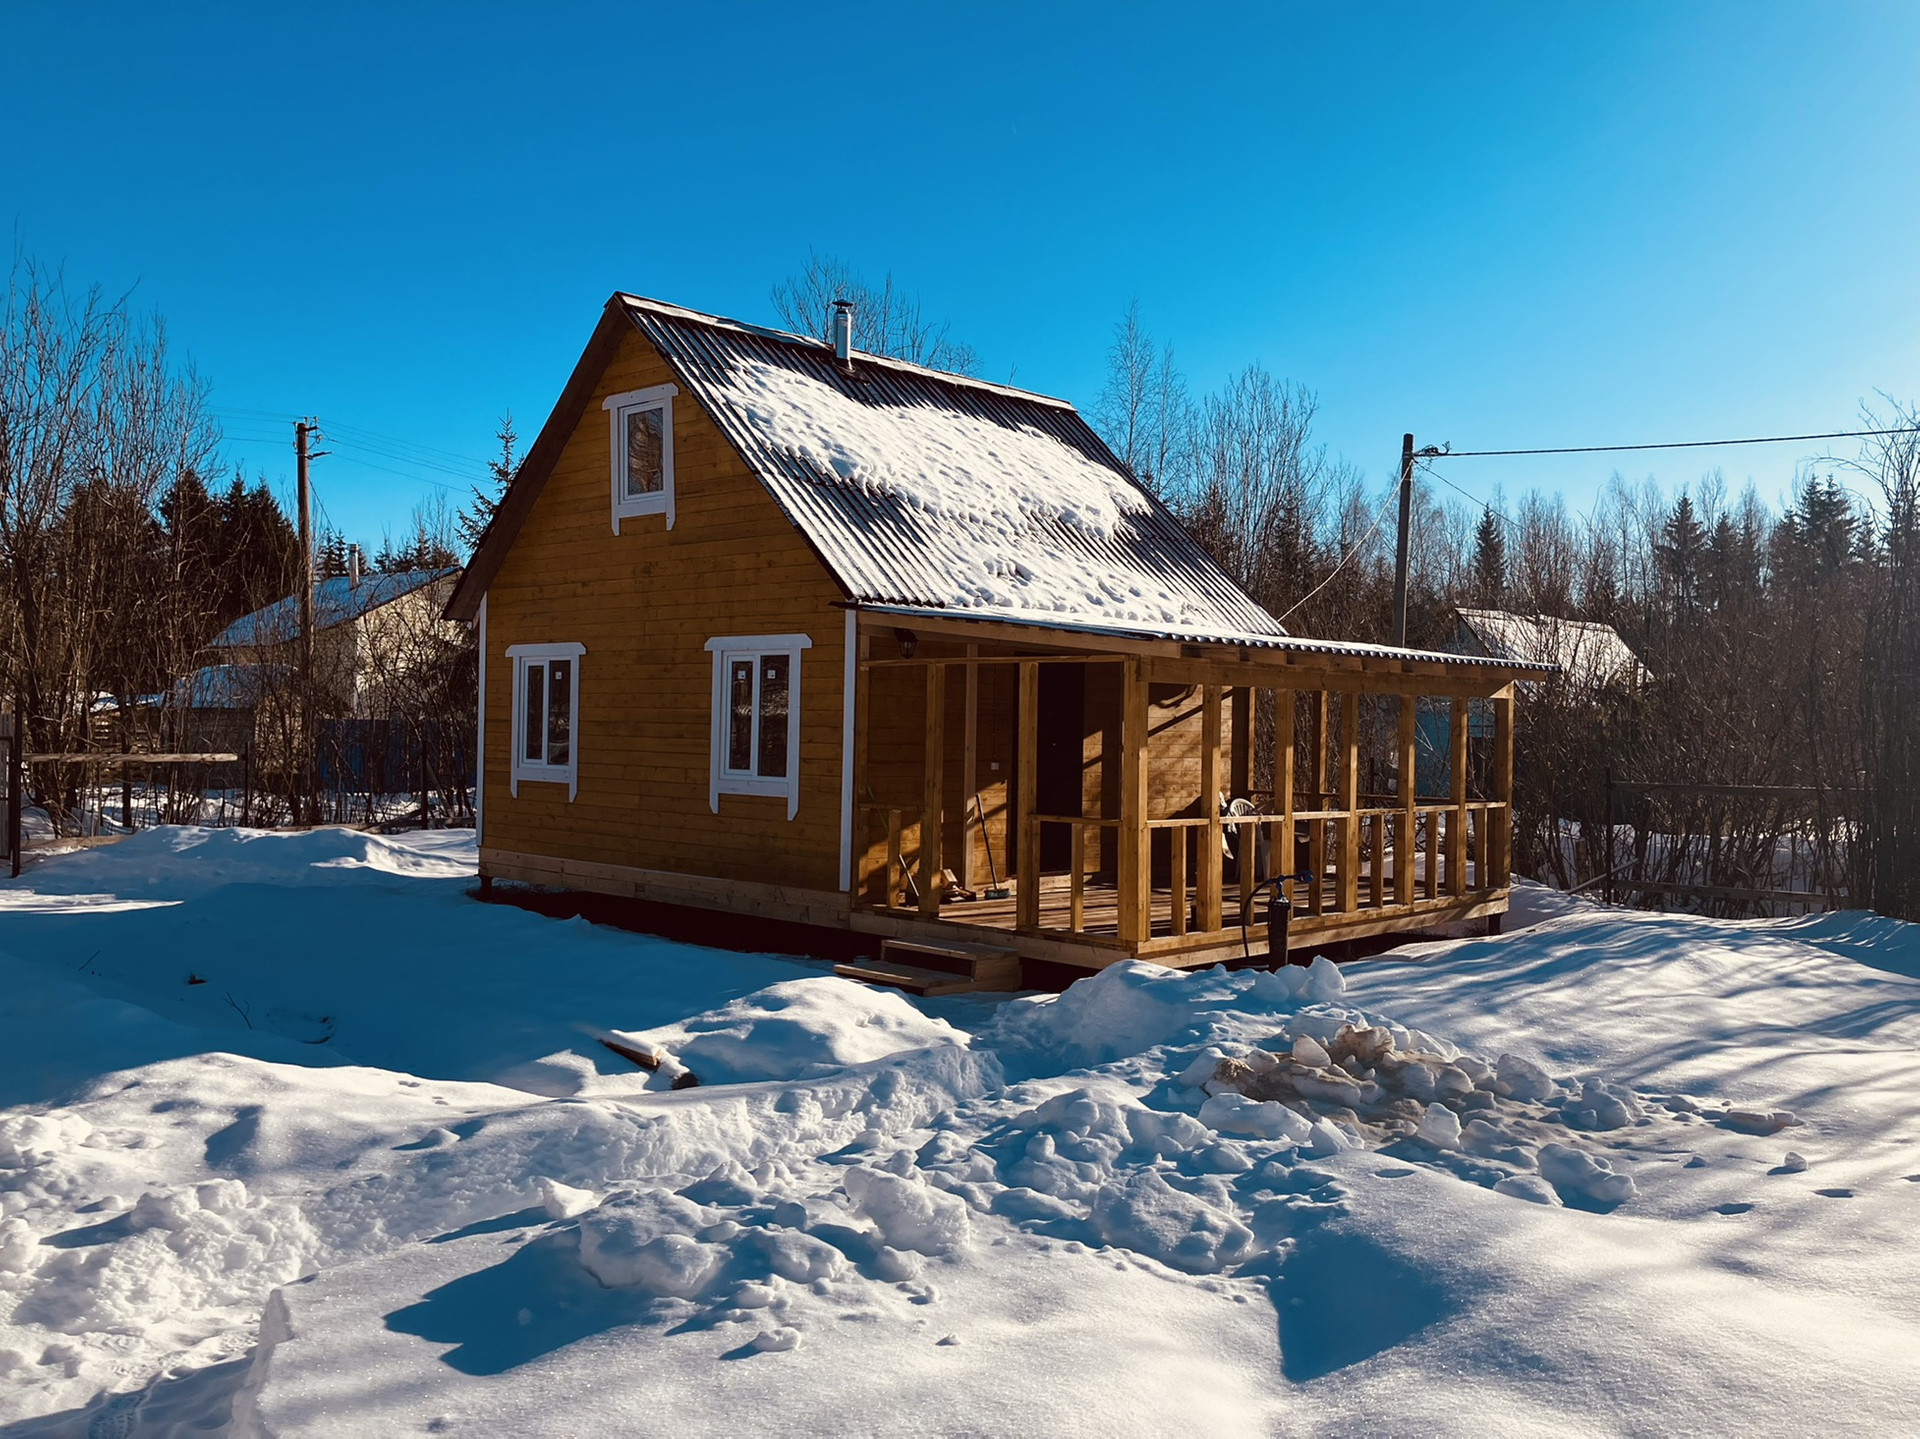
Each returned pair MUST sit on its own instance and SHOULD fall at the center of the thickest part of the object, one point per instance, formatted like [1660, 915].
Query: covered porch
[1084, 798]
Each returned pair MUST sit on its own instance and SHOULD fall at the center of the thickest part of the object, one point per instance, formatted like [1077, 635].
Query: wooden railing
[1346, 854]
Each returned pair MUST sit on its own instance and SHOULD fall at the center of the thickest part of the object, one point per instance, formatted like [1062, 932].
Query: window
[546, 698]
[756, 716]
[642, 442]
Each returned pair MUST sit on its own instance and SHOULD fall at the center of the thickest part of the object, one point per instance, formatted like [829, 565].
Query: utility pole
[1403, 547]
[302, 431]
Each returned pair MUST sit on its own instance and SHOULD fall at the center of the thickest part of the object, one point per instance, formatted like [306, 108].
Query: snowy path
[367, 1177]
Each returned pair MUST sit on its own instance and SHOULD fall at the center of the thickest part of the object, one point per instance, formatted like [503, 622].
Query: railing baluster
[1177, 835]
[1077, 883]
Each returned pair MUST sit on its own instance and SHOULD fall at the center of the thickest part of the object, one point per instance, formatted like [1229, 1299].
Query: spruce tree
[475, 516]
[1490, 560]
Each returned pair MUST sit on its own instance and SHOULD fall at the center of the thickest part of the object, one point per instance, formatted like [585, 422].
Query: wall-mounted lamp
[909, 641]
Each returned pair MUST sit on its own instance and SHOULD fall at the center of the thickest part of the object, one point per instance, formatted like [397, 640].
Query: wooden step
[888, 974]
[987, 965]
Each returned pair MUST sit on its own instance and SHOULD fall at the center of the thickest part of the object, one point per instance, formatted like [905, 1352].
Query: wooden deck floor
[1101, 906]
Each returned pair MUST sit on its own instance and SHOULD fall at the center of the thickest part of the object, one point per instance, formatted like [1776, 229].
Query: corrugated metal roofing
[1290, 644]
[886, 550]
[335, 601]
[1587, 652]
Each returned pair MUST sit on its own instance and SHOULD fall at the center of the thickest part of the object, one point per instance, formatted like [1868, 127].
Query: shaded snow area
[371, 1175]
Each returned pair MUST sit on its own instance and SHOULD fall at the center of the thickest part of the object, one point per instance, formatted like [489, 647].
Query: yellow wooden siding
[644, 603]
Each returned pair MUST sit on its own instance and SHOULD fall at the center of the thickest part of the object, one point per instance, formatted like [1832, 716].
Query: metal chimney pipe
[843, 331]
[353, 567]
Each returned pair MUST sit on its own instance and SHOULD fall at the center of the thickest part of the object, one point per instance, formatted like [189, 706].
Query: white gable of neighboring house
[1590, 655]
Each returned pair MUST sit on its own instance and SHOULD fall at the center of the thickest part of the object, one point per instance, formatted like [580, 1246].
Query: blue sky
[1492, 225]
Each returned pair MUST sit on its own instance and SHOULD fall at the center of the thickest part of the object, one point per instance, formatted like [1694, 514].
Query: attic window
[642, 451]
[756, 717]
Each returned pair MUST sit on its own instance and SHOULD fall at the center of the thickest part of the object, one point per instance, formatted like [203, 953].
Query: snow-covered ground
[301, 1140]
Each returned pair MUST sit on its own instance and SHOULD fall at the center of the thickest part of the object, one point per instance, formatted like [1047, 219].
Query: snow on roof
[1589, 654]
[335, 601]
[926, 490]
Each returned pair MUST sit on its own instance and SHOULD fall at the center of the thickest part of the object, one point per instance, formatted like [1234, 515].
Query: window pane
[773, 715]
[740, 715]
[646, 469]
[559, 711]
[531, 726]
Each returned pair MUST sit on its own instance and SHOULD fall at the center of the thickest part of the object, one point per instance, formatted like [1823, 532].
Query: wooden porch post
[1502, 863]
[1283, 782]
[969, 771]
[931, 809]
[1207, 878]
[1317, 828]
[1457, 819]
[1027, 894]
[1240, 750]
[1135, 848]
[1347, 863]
[1404, 849]
[862, 851]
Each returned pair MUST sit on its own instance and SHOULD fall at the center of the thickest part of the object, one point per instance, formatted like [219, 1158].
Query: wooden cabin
[774, 627]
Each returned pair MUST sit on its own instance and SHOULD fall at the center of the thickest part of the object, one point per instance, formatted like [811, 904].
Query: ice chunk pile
[1509, 1122]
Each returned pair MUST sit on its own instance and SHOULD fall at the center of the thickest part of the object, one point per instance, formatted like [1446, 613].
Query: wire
[1510, 524]
[1684, 444]
[1392, 499]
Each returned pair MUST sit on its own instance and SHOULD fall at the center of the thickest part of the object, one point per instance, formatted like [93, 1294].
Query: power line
[1393, 500]
[1449, 453]
[1427, 465]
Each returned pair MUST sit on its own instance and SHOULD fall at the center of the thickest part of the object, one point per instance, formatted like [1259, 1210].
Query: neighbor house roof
[335, 601]
[1589, 654]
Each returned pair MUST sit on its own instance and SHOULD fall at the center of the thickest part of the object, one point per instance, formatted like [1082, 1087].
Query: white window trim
[722, 648]
[568, 773]
[660, 502]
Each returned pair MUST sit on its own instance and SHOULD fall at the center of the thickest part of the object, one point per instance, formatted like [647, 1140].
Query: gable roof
[335, 601]
[917, 490]
[1588, 653]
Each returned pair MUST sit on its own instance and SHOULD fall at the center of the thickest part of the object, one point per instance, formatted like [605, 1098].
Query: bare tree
[97, 422]
[889, 321]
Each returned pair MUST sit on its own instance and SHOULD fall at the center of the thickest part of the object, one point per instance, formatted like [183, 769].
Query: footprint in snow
[1731, 1208]
[1835, 1193]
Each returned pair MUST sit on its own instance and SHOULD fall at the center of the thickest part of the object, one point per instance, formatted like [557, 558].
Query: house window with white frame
[756, 716]
[546, 706]
[642, 446]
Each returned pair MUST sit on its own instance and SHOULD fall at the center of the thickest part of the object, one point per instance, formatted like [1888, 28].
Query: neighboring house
[366, 631]
[216, 707]
[1589, 655]
[775, 627]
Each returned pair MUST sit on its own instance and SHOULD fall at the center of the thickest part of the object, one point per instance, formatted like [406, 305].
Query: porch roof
[1122, 640]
